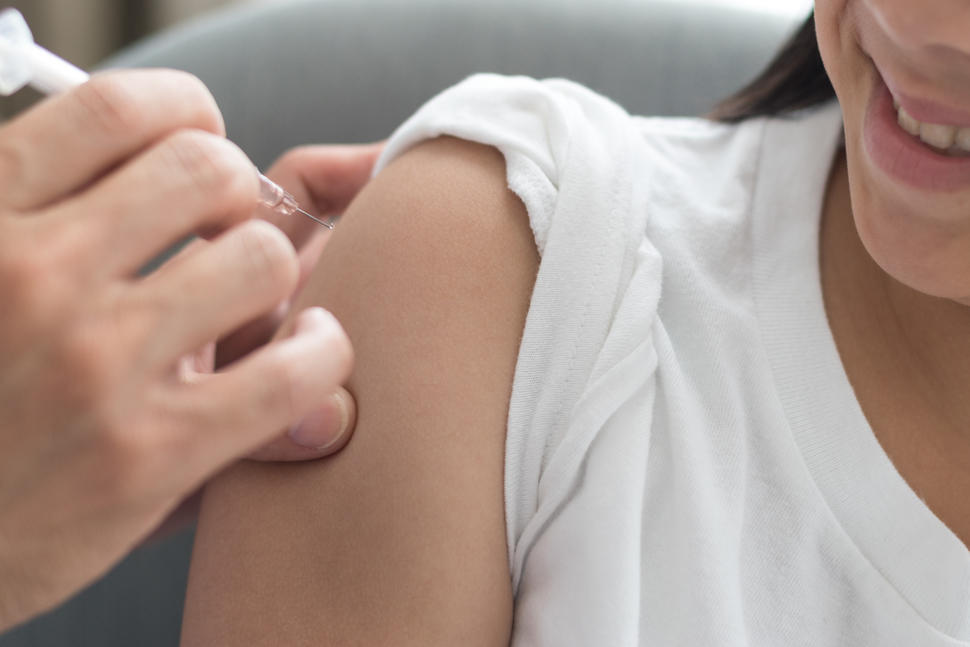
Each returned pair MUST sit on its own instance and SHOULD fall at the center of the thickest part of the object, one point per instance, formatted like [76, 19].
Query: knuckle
[193, 91]
[196, 155]
[215, 167]
[18, 272]
[115, 103]
[111, 105]
[47, 299]
[271, 260]
[29, 279]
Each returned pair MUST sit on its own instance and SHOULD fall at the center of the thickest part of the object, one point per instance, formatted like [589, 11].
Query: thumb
[323, 432]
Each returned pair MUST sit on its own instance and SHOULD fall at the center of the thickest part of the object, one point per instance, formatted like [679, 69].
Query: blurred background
[86, 32]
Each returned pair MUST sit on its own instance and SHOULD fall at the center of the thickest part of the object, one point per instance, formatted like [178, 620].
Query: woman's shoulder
[560, 138]
[557, 137]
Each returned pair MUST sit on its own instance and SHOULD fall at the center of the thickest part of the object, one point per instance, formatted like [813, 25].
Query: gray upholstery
[350, 70]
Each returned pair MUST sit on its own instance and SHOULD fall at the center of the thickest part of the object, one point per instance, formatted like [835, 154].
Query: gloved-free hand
[107, 417]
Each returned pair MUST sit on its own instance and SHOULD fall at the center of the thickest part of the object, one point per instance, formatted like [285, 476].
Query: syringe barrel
[22, 61]
[270, 193]
[52, 74]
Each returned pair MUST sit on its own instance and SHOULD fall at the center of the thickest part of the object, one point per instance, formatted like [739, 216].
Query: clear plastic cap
[23, 62]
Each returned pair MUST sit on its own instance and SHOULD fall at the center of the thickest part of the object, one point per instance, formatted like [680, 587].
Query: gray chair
[350, 70]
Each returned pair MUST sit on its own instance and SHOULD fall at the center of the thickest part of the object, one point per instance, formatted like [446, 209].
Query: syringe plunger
[24, 62]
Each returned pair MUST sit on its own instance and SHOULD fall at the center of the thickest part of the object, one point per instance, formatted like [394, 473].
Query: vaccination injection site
[525, 322]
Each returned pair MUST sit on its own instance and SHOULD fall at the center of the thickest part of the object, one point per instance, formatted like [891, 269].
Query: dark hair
[795, 79]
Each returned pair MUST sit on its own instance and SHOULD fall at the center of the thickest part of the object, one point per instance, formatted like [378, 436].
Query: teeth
[909, 124]
[963, 139]
[938, 136]
[949, 139]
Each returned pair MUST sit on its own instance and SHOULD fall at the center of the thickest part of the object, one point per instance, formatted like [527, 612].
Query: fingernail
[323, 428]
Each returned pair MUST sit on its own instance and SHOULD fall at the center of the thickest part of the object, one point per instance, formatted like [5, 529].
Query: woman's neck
[907, 356]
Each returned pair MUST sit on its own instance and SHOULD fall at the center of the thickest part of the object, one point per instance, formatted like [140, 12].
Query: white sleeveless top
[686, 463]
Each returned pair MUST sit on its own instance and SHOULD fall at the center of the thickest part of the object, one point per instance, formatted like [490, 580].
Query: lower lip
[902, 156]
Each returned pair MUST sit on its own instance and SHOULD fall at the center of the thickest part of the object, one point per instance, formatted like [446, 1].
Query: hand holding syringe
[118, 367]
[23, 62]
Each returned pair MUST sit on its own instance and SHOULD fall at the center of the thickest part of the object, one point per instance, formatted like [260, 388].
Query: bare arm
[400, 539]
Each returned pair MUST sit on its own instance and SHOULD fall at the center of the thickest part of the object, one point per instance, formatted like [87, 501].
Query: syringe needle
[275, 198]
[326, 223]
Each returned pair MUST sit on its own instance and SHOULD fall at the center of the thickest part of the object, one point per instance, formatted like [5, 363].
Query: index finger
[72, 139]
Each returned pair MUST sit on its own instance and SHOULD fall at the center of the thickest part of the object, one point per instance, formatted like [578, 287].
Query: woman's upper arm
[399, 539]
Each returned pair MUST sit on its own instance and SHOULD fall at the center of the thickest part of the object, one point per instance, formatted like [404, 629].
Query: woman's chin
[924, 249]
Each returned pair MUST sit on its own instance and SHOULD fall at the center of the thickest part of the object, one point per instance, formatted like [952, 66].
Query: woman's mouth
[922, 155]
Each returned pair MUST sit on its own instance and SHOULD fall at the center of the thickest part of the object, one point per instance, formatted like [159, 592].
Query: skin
[110, 414]
[895, 272]
[399, 540]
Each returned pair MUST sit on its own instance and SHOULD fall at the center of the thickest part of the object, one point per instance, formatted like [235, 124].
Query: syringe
[23, 62]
